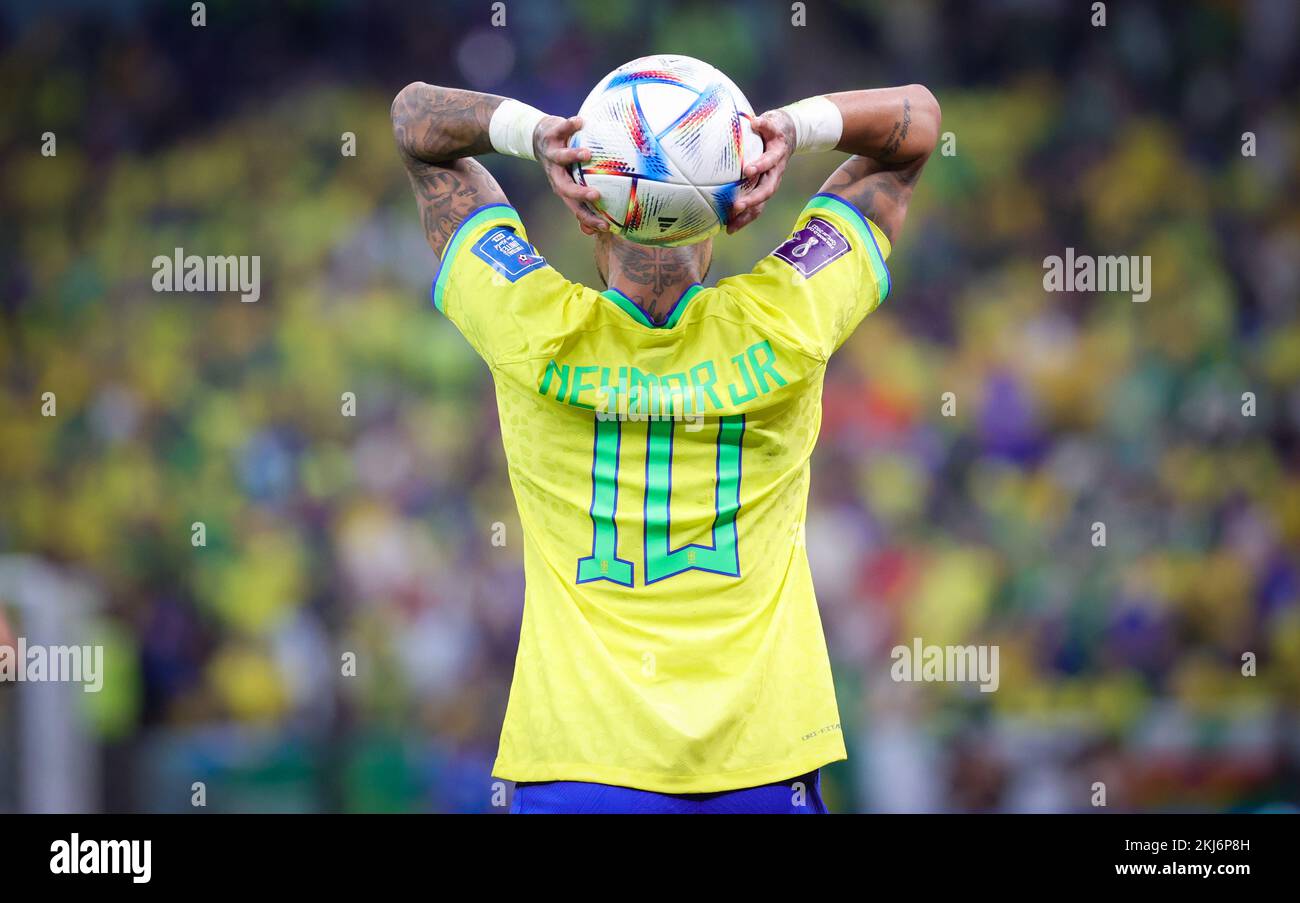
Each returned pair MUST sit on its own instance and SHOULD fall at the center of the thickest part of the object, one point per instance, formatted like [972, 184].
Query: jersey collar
[630, 308]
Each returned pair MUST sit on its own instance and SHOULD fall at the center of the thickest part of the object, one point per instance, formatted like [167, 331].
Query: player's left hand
[776, 128]
[552, 150]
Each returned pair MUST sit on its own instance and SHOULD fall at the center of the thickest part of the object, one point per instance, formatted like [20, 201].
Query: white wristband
[817, 125]
[511, 129]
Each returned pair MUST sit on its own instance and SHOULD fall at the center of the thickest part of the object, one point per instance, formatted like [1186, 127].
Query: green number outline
[603, 563]
[722, 556]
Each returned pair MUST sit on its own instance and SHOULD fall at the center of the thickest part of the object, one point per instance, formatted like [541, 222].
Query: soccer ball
[669, 137]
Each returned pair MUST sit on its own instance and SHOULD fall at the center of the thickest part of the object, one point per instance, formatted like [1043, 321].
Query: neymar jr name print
[629, 392]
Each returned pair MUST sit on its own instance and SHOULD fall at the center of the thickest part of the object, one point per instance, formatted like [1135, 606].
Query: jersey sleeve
[819, 283]
[497, 288]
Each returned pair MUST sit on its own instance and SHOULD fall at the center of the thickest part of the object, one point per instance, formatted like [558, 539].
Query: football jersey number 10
[661, 560]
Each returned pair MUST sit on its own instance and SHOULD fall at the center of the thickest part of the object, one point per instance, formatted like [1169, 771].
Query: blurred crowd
[1175, 424]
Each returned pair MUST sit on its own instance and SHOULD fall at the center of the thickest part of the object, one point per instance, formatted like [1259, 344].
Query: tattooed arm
[891, 133]
[438, 131]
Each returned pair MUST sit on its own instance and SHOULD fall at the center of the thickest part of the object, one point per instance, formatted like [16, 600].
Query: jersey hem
[664, 783]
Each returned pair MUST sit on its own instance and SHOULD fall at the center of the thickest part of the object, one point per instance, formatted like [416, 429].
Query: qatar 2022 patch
[813, 247]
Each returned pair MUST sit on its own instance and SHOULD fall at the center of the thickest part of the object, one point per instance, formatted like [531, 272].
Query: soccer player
[658, 435]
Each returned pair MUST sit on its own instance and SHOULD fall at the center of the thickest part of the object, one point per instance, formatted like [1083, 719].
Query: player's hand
[776, 128]
[551, 148]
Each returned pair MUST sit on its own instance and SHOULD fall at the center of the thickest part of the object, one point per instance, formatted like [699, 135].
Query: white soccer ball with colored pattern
[669, 138]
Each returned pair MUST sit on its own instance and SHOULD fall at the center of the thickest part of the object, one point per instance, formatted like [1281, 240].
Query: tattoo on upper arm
[448, 194]
[880, 192]
[438, 131]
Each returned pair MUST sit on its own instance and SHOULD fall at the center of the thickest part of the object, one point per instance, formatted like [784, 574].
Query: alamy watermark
[946, 664]
[33, 663]
[652, 401]
[1088, 273]
[183, 272]
[75, 856]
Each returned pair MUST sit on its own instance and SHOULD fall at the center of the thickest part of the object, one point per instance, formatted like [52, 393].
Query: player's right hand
[551, 147]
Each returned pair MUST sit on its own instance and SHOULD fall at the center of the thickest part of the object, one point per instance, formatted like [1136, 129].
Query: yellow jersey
[670, 639]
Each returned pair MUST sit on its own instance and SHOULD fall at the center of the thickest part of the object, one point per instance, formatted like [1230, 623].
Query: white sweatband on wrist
[511, 129]
[818, 125]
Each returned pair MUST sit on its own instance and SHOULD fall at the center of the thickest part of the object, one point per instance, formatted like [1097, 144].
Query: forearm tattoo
[438, 125]
[898, 134]
[438, 130]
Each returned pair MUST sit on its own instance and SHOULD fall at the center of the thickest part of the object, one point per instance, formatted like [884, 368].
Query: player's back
[670, 638]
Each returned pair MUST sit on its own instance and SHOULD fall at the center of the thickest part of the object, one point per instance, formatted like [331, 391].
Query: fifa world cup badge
[813, 247]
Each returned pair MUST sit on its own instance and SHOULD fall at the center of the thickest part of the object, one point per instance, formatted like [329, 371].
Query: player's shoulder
[831, 243]
[490, 251]
[827, 206]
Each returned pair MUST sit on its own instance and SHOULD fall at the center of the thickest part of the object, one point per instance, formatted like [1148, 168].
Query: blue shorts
[796, 796]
